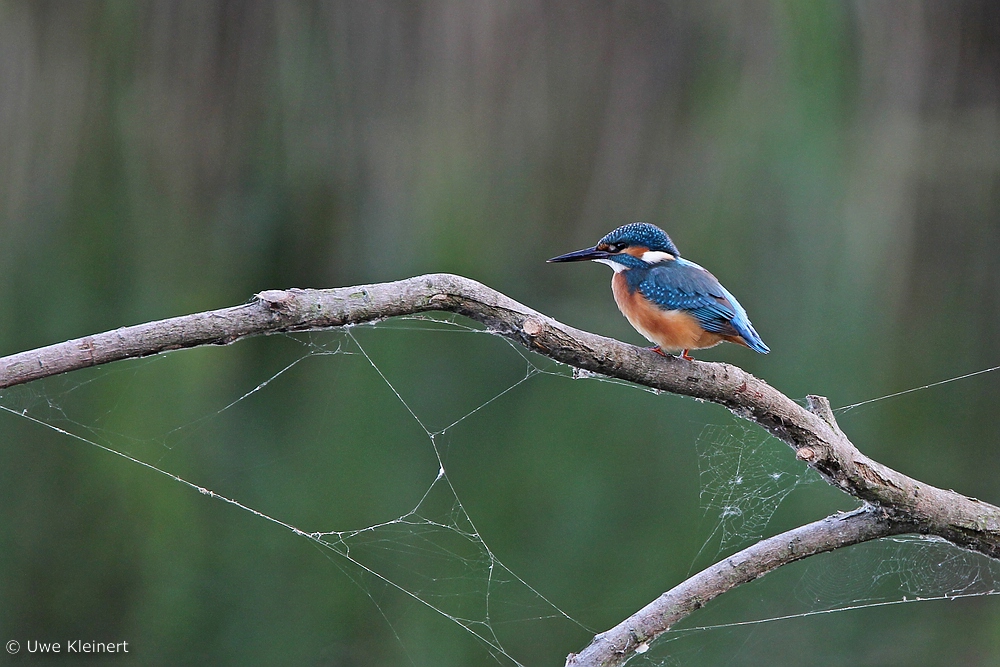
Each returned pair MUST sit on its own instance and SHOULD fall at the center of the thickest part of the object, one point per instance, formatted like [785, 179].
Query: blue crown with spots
[642, 234]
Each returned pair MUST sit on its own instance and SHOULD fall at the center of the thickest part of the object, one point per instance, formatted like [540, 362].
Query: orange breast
[672, 330]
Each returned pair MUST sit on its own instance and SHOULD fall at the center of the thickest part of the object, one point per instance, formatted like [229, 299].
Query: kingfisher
[674, 303]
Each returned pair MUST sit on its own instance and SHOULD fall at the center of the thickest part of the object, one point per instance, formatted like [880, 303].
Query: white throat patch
[613, 264]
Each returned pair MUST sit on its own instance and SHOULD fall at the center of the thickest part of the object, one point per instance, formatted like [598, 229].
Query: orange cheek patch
[636, 251]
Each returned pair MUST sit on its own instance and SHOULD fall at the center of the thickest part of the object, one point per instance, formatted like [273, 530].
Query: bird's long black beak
[581, 255]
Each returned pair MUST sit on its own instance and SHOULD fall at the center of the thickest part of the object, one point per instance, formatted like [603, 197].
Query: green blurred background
[836, 165]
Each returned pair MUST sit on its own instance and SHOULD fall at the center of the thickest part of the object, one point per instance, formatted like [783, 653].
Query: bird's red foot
[685, 355]
[656, 348]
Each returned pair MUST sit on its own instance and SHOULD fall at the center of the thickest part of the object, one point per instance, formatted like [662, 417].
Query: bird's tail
[750, 336]
[743, 327]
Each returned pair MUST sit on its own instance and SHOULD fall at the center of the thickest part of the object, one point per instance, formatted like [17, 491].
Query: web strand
[910, 391]
[834, 610]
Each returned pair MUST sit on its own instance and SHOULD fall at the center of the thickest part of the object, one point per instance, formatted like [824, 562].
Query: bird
[671, 301]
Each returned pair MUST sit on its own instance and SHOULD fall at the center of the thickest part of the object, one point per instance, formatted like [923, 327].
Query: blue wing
[683, 285]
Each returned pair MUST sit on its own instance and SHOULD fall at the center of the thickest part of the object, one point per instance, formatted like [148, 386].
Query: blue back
[683, 285]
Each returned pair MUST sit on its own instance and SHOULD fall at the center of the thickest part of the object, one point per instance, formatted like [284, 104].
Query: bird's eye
[616, 247]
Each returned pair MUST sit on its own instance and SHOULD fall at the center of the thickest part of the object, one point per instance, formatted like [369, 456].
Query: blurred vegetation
[835, 164]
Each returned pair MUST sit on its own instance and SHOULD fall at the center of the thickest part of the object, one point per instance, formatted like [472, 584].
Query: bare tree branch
[633, 634]
[902, 504]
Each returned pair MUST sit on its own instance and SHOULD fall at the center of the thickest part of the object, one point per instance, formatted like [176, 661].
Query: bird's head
[631, 246]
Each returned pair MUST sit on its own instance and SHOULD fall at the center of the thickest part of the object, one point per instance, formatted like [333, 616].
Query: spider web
[745, 474]
[435, 556]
